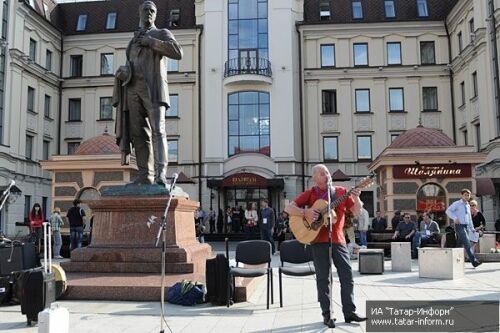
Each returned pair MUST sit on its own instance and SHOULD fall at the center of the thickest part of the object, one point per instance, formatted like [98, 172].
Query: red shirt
[310, 196]
[36, 221]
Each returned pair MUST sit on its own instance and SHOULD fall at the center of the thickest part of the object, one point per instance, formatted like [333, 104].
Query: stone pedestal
[441, 263]
[401, 256]
[487, 242]
[123, 243]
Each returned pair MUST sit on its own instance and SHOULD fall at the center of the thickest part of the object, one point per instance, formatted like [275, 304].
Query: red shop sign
[432, 171]
[245, 179]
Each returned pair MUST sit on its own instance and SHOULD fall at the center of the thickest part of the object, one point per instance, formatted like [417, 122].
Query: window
[107, 64]
[357, 10]
[460, 42]
[32, 49]
[394, 53]
[46, 106]
[324, 10]
[29, 147]
[330, 148]
[76, 65]
[248, 35]
[74, 113]
[328, 55]
[362, 100]
[364, 147]
[462, 93]
[45, 201]
[474, 84]
[249, 125]
[111, 21]
[48, 60]
[360, 54]
[396, 100]
[427, 53]
[173, 110]
[172, 65]
[430, 98]
[422, 8]
[31, 99]
[81, 25]
[72, 146]
[472, 29]
[329, 101]
[173, 151]
[46, 149]
[478, 137]
[390, 9]
[27, 206]
[466, 140]
[394, 136]
[106, 108]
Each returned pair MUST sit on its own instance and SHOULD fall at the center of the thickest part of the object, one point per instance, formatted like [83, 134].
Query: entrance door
[431, 198]
[248, 61]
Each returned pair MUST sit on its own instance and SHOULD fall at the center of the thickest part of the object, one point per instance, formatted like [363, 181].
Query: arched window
[431, 198]
[89, 193]
[248, 123]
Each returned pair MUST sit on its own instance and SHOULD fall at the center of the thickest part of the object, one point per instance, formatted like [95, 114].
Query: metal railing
[248, 65]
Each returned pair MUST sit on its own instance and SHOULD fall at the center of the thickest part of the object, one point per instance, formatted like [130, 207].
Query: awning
[183, 179]
[340, 176]
[246, 180]
[485, 186]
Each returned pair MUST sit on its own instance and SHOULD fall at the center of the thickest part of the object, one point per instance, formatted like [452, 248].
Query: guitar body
[306, 232]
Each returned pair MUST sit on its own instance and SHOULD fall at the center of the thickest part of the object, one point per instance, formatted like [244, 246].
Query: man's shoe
[354, 317]
[328, 321]
[476, 263]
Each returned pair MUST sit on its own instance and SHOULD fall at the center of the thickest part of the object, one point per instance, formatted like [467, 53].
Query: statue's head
[147, 14]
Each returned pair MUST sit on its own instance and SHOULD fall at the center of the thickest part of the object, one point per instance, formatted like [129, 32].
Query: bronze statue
[141, 95]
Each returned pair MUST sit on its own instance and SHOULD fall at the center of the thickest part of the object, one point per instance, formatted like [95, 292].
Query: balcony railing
[241, 66]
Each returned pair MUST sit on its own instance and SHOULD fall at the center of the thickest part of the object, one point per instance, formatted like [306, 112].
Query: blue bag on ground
[186, 293]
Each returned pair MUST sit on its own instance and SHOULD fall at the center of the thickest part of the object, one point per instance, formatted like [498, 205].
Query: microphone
[174, 179]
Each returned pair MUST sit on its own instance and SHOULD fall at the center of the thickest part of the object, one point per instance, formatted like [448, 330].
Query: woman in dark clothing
[479, 222]
[220, 221]
[282, 227]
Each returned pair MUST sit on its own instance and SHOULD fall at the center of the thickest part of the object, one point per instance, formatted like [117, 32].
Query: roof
[374, 11]
[340, 176]
[422, 137]
[98, 145]
[65, 16]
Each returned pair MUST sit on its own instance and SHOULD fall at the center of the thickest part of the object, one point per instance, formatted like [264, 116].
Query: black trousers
[340, 256]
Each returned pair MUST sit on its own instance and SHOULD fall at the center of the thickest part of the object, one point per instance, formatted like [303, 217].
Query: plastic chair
[252, 252]
[294, 252]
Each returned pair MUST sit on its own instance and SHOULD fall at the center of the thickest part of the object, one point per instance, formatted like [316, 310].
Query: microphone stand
[163, 232]
[330, 244]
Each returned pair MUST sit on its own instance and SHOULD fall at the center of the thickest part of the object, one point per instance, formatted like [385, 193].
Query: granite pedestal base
[122, 259]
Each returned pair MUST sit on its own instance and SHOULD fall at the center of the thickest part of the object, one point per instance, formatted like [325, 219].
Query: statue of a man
[141, 93]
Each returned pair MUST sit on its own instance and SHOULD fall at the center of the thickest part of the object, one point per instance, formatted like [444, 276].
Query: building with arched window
[424, 171]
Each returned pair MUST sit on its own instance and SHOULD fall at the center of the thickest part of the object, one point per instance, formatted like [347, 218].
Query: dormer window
[175, 17]
[82, 23]
[357, 10]
[111, 21]
[422, 8]
[324, 10]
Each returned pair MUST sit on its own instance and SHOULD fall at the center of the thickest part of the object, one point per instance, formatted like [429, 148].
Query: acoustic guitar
[306, 232]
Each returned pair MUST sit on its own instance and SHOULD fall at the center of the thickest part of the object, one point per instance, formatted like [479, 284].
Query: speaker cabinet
[371, 261]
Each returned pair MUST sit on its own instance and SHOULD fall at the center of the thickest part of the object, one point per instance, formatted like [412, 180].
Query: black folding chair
[293, 252]
[252, 252]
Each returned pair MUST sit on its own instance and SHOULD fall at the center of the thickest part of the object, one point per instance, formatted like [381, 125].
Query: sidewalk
[300, 313]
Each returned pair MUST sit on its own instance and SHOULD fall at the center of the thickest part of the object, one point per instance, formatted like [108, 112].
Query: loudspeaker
[16, 262]
[371, 261]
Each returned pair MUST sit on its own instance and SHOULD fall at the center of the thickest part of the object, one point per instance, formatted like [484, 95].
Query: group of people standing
[75, 216]
[249, 221]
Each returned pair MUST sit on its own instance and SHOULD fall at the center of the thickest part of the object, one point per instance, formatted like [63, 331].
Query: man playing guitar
[320, 246]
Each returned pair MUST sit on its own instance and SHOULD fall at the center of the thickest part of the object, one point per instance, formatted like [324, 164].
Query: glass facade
[247, 31]
[248, 123]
